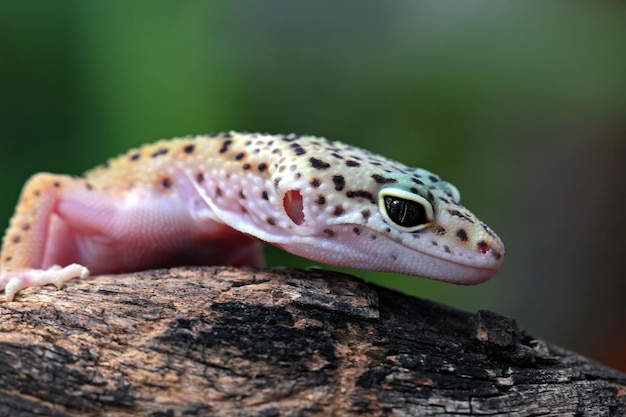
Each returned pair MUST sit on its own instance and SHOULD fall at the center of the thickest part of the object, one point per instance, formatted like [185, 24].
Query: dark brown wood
[229, 342]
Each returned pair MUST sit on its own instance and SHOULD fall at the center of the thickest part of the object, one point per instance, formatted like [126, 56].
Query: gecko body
[212, 199]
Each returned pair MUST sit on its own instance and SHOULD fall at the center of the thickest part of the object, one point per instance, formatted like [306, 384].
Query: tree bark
[230, 342]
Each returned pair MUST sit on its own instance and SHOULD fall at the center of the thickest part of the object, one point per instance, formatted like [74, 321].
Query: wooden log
[229, 342]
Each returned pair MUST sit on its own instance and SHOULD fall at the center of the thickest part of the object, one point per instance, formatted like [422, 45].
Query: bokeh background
[521, 105]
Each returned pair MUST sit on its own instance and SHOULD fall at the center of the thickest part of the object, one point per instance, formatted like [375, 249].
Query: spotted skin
[212, 199]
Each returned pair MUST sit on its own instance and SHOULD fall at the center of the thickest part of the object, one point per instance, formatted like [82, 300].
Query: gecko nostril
[483, 247]
[294, 207]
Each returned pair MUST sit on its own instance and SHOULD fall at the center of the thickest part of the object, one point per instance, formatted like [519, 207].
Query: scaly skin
[210, 199]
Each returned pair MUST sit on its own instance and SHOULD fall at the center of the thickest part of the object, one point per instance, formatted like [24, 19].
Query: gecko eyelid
[404, 210]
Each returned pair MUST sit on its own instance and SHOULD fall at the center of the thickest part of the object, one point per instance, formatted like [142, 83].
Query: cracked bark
[229, 342]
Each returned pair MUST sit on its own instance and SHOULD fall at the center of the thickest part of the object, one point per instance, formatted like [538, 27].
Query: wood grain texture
[230, 342]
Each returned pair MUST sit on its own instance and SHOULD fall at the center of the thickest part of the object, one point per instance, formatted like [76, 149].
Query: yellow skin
[211, 199]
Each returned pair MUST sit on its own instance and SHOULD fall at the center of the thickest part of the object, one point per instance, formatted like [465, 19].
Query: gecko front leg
[25, 244]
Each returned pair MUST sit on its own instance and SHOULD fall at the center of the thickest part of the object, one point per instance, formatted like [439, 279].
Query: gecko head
[407, 221]
[344, 206]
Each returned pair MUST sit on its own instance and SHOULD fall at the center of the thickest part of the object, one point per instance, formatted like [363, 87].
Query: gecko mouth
[466, 271]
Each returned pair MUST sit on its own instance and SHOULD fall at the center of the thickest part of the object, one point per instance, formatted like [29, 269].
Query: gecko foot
[15, 281]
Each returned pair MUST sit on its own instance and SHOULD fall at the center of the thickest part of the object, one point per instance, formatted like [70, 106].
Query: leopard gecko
[212, 199]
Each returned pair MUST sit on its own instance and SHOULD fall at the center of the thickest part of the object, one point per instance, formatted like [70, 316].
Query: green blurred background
[521, 105]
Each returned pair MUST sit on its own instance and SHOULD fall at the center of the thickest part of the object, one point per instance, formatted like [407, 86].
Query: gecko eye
[405, 210]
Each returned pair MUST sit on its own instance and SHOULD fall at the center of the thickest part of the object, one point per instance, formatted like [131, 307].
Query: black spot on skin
[271, 220]
[388, 230]
[445, 200]
[291, 139]
[447, 249]
[430, 197]
[242, 195]
[56, 184]
[239, 156]
[200, 178]
[315, 182]
[394, 258]
[135, 156]
[166, 182]
[8, 259]
[434, 243]
[297, 149]
[318, 164]
[361, 194]
[213, 134]
[26, 226]
[373, 237]
[189, 148]
[218, 192]
[336, 155]
[440, 230]
[414, 190]
[321, 200]
[351, 163]
[433, 178]
[297, 175]
[366, 214]
[243, 209]
[265, 196]
[276, 182]
[488, 230]
[16, 239]
[262, 166]
[159, 152]
[246, 166]
[225, 146]
[357, 231]
[37, 193]
[417, 181]
[338, 211]
[460, 215]
[88, 186]
[339, 182]
[382, 180]
[329, 233]
[462, 235]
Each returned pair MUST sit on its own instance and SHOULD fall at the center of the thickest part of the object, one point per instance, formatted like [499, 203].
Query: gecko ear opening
[294, 207]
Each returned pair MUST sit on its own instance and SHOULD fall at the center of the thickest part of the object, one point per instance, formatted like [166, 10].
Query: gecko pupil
[405, 213]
